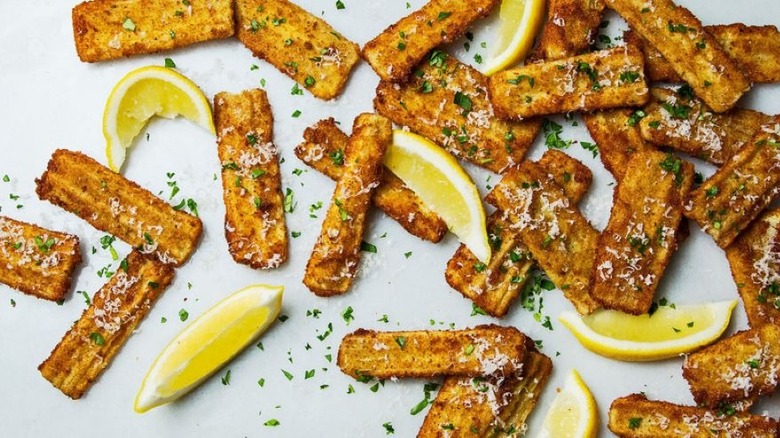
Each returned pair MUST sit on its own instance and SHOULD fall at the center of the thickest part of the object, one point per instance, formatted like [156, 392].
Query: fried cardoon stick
[617, 133]
[570, 29]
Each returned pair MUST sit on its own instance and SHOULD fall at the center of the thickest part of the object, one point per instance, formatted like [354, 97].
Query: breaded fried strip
[399, 48]
[570, 29]
[635, 416]
[484, 350]
[755, 265]
[683, 122]
[251, 181]
[495, 286]
[728, 201]
[104, 327]
[299, 44]
[323, 149]
[694, 54]
[447, 102]
[335, 257]
[605, 79]
[110, 29]
[641, 235]
[118, 206]
[37, 261]
[550, 225]
[616, 131]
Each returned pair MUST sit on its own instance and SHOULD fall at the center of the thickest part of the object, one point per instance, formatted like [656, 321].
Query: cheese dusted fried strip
[323, 149]
[683, 122]
[447, 102]
[299, 44]
[641, 236]
[635, 416]
[118, 206]
[104, 327]
[570, 29]
[605, 79]
[37, 261]
[484, 350]
[496, 285]
[694, 54]
[110, 29]
[617, 133]
[335, 257]
[251, 181]
[399, 48]
[728, 201]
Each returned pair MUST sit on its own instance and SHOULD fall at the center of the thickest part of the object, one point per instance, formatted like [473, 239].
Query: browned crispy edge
[569, 30]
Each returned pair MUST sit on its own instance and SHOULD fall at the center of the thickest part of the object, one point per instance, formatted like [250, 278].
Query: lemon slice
[142, 94]
[519, 23]
[208, 343]
[669, 332]
[573, 412]
[437, 178]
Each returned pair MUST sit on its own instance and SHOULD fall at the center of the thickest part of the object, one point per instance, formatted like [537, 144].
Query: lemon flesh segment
[442, 184]
[573, 413]
[519, 21]
[208, 343]
[669, 332]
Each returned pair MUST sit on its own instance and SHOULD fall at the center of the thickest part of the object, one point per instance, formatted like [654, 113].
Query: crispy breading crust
[635, 416]
[37, 261]
[110, 29]
[399, 48]
[694, 54]
[685, 123]
[569, 30]
[484, 350]
[642, 233]
[323, 146]
[336, 254]
[755, 265]
[616, 131]
[299, 44]
[599, 80]
[104, 327]
[728, 201]
[251, 180]
[118, 206]
[447, 102]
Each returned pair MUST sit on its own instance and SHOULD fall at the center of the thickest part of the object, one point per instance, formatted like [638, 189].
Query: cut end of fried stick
[570, 29]
[617, 133]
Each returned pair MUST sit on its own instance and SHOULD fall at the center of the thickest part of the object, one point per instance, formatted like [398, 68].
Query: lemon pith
[520, 21]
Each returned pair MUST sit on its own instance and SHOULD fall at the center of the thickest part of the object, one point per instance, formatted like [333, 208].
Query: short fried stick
[251, 182]
[37, 261]
[484, 350]
[111, 29]
[570, 29]
[399, 48]
[323, 149]
[617, 133]
[118, 206]
[299, 44]
[335, 257]
[104, 327]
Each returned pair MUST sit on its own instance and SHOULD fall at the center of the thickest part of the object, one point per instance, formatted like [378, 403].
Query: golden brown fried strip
[484, 350]
[299, 44]
[693, 53]
[118, 206]
[399, 48]
[335, 257]
[110, 29]
[37, 261]
[251, 181]
[605, 79]
[642, 234]
[616, 131]
[447, 102]
[569, 30]
[635, 416]
[683, 122]
[104, 327]
[755, 265]
[728, 201]
[323, 149]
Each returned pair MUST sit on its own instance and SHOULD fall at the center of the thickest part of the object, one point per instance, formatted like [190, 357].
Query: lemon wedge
[520, 21]
[144, 93]
[669, 332]
[573, 412]
[208, 343]
[442, 184]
